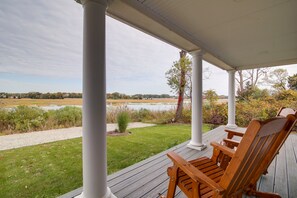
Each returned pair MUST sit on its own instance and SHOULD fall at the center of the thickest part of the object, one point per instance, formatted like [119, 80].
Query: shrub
[246, 111]
[113, 112]
[123, 121]
[66, 117]
[286, 95]
[6, 122]
[161, 117]
[187, 115]
[25, 118]
[142, 115]
[215, 114]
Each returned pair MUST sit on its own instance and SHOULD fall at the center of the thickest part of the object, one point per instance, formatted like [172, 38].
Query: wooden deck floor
[148, 179]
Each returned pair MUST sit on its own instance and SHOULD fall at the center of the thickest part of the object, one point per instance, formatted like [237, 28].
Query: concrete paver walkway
[41, 137]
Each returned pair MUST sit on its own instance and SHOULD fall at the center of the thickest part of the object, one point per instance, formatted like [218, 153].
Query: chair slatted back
[277, 146]
[284, 111]
[255, 151]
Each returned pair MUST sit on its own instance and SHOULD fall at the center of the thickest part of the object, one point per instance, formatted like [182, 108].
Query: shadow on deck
[148, 178]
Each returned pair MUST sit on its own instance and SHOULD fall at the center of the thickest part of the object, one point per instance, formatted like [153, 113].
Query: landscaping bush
[215, 114]
[123, 121]
[112, 113]
[246, 110]
[187, 115]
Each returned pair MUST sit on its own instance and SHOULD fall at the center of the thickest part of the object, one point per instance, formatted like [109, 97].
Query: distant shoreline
[9, 103]
[6, 103]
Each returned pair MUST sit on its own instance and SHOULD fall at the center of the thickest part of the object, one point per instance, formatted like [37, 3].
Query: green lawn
[53, 169]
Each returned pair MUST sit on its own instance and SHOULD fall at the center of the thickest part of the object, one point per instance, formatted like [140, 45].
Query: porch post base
[199, 147]
[231, 126]
[108, 194]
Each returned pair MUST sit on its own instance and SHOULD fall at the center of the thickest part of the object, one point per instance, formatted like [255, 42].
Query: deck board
[150, 170]
[156, 180]
[148, 178]
[291, 166]
[281, 183]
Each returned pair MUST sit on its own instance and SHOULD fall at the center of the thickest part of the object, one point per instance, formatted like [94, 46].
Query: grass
[39, 102]
[53, 169]
[10, 102]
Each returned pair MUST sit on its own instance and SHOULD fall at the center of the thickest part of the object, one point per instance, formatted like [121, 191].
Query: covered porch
[232, 35]
[149, 179]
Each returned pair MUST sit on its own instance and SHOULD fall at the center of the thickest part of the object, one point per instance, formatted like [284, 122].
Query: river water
[132, 106]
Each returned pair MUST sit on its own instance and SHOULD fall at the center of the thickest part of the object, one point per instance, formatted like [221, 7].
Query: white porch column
[196, 136]
[231, 100]
[94, 101]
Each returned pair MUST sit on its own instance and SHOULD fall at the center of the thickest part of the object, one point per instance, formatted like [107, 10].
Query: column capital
[197, 53]
[231, 71]
[101, 2]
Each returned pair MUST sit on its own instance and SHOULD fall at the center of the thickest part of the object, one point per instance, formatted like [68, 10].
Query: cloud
[41, 37]
[131, 52]
[41, 46]
[136, 62]
[26, 83]
[22, 87]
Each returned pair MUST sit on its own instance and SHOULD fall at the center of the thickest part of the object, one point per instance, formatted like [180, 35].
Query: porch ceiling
[235, 34]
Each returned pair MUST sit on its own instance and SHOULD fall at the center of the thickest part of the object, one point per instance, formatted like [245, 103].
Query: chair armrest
[231, 143]
[233, 133]
[195, 174]
[226, 150]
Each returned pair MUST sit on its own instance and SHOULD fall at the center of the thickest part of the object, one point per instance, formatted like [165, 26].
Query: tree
[252, 92]
[211, 96]
[249, 77]
[246, 93]
[278, 79]
[292, 82]
[178, 78]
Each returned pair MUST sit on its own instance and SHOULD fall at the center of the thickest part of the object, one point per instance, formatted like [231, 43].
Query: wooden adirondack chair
[204, 177]
[283, 111]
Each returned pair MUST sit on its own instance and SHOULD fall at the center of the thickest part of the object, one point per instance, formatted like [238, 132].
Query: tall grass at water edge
[23, 118]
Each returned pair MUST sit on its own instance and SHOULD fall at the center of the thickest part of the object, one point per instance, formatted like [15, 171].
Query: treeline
[38, 95]
[62, 95]
[117, 95]
[23, 118]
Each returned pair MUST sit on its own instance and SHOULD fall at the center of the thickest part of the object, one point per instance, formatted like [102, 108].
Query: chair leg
[172, 173]
[265, 194]
[265, 172]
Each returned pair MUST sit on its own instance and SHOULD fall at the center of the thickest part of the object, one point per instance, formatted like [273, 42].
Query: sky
[41, 50]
